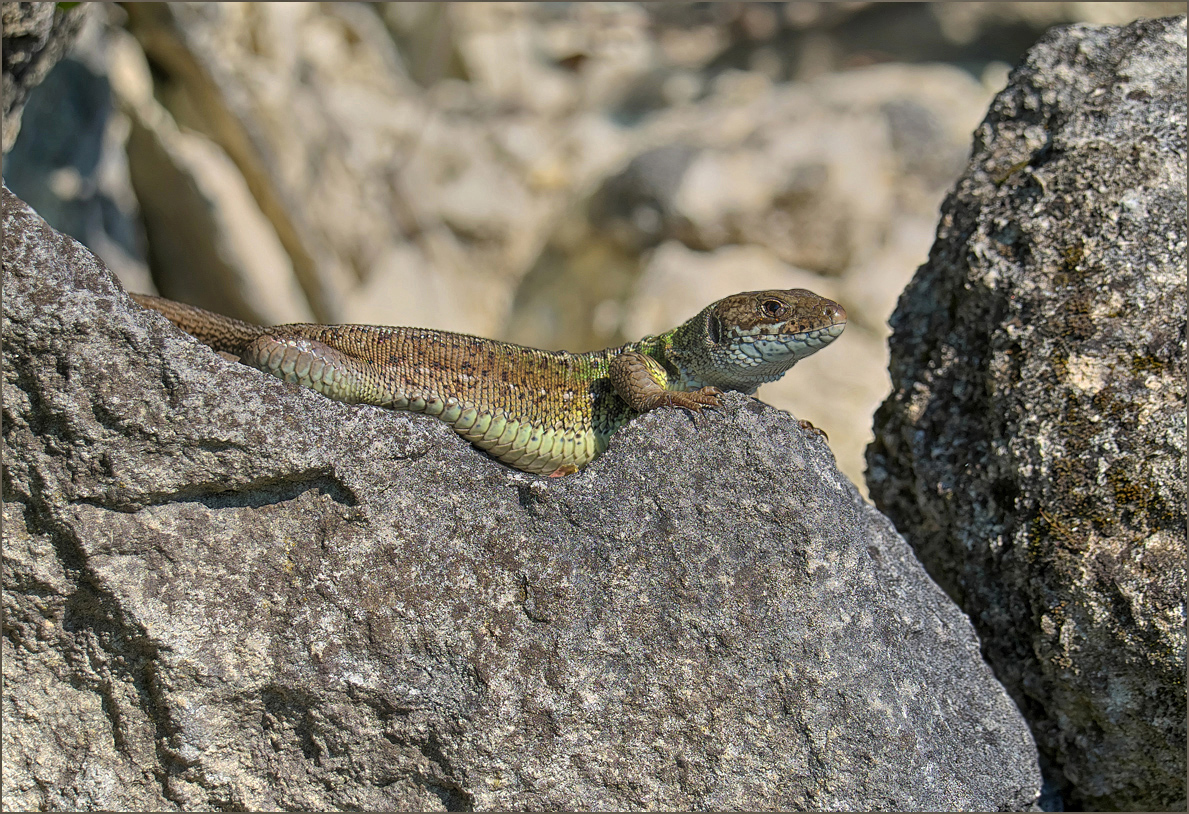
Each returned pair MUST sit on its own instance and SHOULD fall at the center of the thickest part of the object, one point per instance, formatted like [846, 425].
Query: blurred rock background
[564, 175]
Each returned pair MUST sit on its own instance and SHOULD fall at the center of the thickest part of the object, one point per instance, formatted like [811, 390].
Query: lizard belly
[555, 422]
[544, 451]
[528, 446]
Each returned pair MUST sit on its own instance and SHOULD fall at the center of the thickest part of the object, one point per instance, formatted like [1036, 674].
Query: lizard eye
[772, 308]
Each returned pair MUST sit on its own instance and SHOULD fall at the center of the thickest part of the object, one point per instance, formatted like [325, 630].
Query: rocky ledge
[222, 591]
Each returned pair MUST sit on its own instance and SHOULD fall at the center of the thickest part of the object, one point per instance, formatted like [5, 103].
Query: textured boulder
[223, 591]
[1033, 450]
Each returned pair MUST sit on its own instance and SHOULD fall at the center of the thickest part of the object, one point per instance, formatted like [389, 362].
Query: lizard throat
[746, 359]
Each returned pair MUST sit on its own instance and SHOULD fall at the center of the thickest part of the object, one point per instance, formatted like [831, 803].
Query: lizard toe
[806, 424]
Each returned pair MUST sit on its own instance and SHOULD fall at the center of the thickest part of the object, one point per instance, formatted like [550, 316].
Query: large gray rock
[1033, 450]
[223, 591]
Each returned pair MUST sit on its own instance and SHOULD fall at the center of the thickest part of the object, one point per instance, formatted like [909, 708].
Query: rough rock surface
[1033, 450]
[223, 591]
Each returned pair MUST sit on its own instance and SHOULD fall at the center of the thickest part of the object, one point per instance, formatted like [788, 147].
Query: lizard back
[538, 410]
[547, 388]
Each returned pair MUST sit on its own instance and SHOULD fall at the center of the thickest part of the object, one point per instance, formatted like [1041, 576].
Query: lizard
[545, 412]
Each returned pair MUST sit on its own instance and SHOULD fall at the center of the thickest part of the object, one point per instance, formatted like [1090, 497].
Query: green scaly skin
[548, 412]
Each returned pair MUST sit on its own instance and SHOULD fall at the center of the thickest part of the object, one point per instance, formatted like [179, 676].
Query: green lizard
[548, 412]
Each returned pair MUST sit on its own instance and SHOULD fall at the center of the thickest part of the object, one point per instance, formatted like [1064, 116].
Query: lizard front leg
[644, 385]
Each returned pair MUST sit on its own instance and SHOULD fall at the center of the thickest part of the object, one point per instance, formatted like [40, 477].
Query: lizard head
[756, 336]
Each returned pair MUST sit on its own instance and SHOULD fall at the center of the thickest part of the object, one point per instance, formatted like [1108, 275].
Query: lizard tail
[220, 332]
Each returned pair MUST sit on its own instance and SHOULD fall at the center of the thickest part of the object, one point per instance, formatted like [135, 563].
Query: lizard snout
[834, 312]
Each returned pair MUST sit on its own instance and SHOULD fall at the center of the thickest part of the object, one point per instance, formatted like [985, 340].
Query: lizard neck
[686, 354]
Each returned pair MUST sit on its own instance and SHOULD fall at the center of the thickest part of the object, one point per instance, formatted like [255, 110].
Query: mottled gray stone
[1033, 449]
[224, 591]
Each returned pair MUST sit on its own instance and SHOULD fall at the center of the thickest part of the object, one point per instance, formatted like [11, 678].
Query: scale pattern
[533, 409]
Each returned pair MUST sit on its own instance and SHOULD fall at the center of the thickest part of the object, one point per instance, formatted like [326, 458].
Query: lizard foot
[563, 470]
[693, 400]
[805, 424]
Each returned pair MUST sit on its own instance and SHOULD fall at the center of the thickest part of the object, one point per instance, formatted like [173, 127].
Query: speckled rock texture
[1033, 450]
[222, 591]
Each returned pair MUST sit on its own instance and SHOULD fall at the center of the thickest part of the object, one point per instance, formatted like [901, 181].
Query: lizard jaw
[777, 347]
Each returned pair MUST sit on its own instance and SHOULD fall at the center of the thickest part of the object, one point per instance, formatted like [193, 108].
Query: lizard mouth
[818, 337]
[822, 336]
[783, 346]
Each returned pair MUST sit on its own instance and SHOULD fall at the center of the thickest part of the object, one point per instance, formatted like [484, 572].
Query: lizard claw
[806, 424]
[695, 400]
[709, 396]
